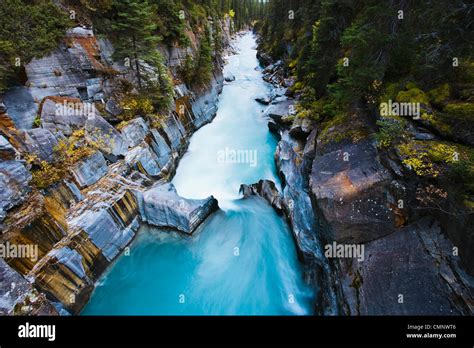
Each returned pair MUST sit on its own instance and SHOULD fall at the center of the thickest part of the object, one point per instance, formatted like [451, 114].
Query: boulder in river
[267, 190]
[161, 206]
[229, 77]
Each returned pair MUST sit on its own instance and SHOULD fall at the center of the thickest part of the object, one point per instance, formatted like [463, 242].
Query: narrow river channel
[242, 260]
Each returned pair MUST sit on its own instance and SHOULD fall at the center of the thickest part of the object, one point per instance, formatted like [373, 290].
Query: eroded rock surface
[161, 206]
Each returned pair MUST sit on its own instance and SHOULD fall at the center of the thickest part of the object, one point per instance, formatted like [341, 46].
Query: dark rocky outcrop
[410, 272]
[267, 190]
[353, 191]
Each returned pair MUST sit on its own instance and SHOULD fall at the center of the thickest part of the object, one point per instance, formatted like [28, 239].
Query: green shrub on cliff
[28, 29]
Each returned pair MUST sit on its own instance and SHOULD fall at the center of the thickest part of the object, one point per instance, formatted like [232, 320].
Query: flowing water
[242, 259]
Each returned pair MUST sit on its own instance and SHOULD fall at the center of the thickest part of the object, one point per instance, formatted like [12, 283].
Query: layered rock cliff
[83, 215]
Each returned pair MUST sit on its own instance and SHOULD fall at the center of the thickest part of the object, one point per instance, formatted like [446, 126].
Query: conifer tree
[134, 28]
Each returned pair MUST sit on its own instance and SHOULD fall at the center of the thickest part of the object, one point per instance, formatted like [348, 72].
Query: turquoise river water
[242, 260]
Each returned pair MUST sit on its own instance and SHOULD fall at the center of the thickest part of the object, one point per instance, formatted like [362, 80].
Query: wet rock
[89, 170]
[135, 131]
[62, 274]
[40, 142]
[162, 207]
[267, 190]
[14, 185]
[175, 133]
[144, 160]
[301, 127]
[106, 137]
[264, 58]
[229, 77]
[280, 110]
[416, 262]
[353, 192]
[263, 100]
[293, 163]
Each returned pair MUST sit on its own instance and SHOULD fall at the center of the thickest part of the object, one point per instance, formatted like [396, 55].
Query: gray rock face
[63, 116]
[416, 262]
[41, 142]
[14, 180]
[7, 151]
[353, 189]
[135, 131]
[21, 107]
[104, 233]
[106, 137]
[14, 290]
[263, 100]
[162, 207]
[113, 108]
[293, 164]
[161, 149]
[144, 160]
[280, 110]
[90, 170]
[205, 106]
[175, 133]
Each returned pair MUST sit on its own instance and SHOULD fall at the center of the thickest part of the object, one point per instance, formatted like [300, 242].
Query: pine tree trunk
[137, 66]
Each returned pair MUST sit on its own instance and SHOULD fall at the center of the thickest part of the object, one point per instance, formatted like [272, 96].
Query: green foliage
[412, 95]
[430, 158]
[67, 153]
[134, 31]
[197, 71]
[169, 24]
[439, 95]
[28, 29]
[391, 130]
